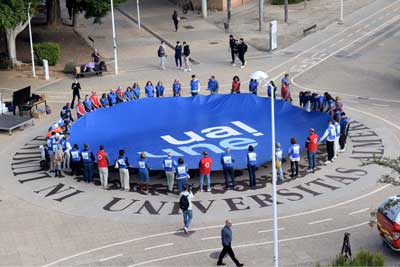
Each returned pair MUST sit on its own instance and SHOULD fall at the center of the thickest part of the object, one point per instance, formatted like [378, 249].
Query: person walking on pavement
[182, 175]
[205, 171]
[312, 147]
[329, 135]
[178, 54]
[76, 87]
[278, 162]
[87, 159]
[102, 164]
[226, 239]
[251, 165]
[169, 165]
[227, 166]
[162, 54]
[186, 57]
[185, 203]
[242, 49]
[344, 131]
[194, 86]
[233, 46]
[212, 85]
[175, 19]
[122, 165]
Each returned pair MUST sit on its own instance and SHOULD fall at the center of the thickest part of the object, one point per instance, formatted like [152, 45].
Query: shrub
[362, 258]
[69, 67]
[281, 2]
[49, 51]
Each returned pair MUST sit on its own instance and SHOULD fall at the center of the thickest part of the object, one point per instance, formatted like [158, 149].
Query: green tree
[14, 19]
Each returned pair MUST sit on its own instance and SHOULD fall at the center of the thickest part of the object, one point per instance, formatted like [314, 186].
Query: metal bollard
[46, 69]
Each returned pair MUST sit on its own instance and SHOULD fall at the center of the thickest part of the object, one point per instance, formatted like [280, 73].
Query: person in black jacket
[75, 92]
[242, 49]
[186, 56]
[176, 19]
[233, 46]
[178, 54]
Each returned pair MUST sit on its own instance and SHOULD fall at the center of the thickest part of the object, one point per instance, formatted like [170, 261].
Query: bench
[306, 30]
[78, 72]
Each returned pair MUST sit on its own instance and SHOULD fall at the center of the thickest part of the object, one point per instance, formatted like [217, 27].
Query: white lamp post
[114, 43]
[262, 77]
[138, 12]
[341, 12]
[30, 40]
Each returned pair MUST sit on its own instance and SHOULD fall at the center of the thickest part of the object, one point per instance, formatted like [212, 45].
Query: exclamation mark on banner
[247, 128]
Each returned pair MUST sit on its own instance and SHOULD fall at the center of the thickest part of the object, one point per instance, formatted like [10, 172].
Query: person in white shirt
[330, 136]
[185, 203]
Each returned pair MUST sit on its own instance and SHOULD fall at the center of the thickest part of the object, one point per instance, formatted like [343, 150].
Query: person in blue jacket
[136, 91]
[104, 101]
[213, 85]
[227, 166]
[88, 104]
[87, 159]
[160, 89]
[143, 174]
[182, 175]
[149, 89]
[194, 86]
[294, 155]
[169, 165]
[112, 98]
[271, 88]
[128, 94]
[253, 86]
[75, 160]
[251, 165]
[176, 88]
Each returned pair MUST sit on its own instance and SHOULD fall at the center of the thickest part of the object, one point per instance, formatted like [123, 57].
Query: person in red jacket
[235, 85]
[80, 109]
[205, 170]
[312, 147]
[95, 100]
[102, 164]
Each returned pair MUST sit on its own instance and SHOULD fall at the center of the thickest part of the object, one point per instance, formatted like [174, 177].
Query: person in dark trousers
[329, 135]
[344, 131]
[87, 159]
[75, 92]
[175, 19]
[312, 147]
[178, 54]
[251, 166]
[227, 165]
[186, 57]
[233, 46]
[242, 49]
[226, 238]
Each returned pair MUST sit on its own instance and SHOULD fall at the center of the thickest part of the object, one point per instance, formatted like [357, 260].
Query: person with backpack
[242, 49]
[182, 175]
[185, 203]
[162, 54]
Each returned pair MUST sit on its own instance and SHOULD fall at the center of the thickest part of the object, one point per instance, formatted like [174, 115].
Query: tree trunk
[53, 12]
[11, 35]
[75, 18]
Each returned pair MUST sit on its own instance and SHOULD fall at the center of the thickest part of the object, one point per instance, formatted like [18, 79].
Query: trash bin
[46, 69]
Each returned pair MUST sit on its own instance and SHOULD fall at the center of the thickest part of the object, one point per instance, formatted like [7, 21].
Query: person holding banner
[182, 175]
[251, 166]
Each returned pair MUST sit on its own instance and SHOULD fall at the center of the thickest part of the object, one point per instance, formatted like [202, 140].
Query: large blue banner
[187, 126]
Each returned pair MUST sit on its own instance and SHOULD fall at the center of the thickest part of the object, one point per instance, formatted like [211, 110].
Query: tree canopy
[14, 12]
[93, 8]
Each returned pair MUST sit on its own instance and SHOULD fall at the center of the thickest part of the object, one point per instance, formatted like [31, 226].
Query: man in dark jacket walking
[233, 45]
[242, 49]
[226, 238]
[186, 56]
[178, 54]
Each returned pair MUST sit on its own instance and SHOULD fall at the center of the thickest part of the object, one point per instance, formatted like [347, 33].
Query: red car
[389, 221]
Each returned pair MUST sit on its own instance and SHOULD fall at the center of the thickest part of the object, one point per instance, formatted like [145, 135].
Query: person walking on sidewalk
[226, 239]
[76, 87]
[312, 147]
[178, 54]
[175, 19]
[162, 54]
[233, 46]
[205, 171]
[185, 203]
[169, 165]
[102, 164]
[186, 57]
[242, 49]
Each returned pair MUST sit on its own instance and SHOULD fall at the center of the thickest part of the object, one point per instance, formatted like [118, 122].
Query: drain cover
[189, 27]
[213, 42]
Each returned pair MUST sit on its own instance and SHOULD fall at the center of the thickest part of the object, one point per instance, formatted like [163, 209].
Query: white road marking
[376, 117]
[249, 245]
[270, 230]
[351, 101]
[111, 257]
[350, 35]
[373, 21]
[380, 105]
[159, 246]
[332, 45]
[358, 211]
[341, 40]
[320, 221]
[218, 226]
[357, 31]
[211, 237]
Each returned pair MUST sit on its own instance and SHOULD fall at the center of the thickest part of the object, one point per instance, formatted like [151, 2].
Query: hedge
[282, 2]
[362, 258]
[49, 51]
